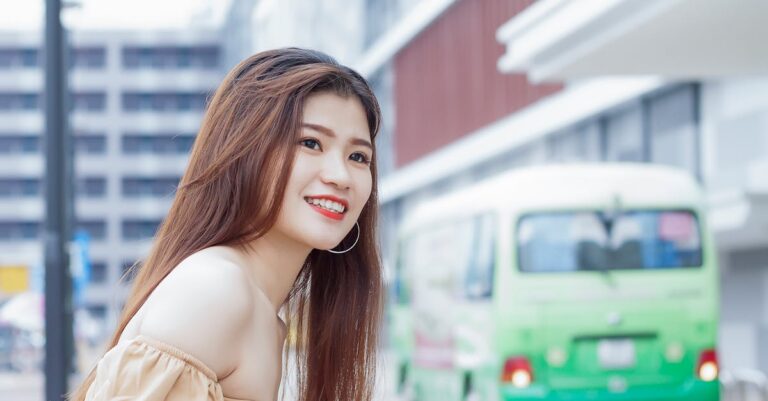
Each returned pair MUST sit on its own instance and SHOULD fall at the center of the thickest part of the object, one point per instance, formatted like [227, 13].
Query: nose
[336, 172]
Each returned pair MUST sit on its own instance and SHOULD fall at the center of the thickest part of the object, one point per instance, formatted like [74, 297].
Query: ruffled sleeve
[148, 370]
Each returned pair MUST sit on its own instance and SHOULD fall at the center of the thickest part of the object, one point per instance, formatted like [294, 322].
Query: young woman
[277, 210]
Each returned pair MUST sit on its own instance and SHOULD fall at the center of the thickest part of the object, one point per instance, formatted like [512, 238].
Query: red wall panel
[446, 81]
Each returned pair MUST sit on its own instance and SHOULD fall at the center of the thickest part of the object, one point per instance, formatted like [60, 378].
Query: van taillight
[707, 368]
[517, 371]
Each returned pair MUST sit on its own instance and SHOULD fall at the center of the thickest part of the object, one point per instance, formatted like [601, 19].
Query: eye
[360, 158]
[310, 143]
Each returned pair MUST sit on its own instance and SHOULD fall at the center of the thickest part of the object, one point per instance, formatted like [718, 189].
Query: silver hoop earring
[353, 245]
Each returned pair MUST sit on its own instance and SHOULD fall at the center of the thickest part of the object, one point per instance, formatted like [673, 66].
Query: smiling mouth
[326, 207]
[326, 204]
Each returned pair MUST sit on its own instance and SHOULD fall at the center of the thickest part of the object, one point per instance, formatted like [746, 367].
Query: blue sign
[80, 266]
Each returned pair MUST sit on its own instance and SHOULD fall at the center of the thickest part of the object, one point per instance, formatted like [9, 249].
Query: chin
[326, 245]
[320, 239]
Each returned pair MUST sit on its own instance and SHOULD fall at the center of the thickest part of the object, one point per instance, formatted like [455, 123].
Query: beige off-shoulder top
[149, 370]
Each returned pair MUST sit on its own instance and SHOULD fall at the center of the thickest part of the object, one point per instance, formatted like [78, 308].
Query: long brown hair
[231, 194]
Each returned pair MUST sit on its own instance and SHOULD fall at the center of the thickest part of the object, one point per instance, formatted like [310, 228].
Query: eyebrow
[329, 132]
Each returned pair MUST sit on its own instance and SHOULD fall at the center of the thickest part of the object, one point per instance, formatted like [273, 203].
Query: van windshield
[601, 241]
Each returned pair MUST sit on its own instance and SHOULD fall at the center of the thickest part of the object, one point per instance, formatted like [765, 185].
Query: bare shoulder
[203, 307]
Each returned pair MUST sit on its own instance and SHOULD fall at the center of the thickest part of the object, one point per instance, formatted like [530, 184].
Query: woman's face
[331, 177]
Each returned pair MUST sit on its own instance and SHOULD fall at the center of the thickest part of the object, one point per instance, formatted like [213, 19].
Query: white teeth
[327, 204]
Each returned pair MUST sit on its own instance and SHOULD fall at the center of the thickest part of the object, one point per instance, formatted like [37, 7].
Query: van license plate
[616, 354]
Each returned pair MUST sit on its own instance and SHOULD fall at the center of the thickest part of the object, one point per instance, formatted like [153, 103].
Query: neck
[274, 262]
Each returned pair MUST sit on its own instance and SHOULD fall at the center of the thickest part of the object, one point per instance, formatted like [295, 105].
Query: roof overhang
[556, 40]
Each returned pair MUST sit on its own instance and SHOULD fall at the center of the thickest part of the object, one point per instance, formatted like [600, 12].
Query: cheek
[365, 189]
[301, 172]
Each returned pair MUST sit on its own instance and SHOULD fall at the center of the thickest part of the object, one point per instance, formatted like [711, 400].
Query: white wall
[735, 134]
[734, 129]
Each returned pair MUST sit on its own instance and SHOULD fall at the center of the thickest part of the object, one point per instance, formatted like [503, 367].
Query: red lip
[326, 212]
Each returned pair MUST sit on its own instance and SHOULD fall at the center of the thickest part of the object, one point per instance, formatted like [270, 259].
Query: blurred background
[469, 89]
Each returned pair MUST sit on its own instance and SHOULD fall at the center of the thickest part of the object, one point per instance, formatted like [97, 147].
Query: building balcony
[170, 79]
[156, 121]
[21, 165]
[22, 208]
[146, 207]
[151, 165]
[21, 252]
[95, 207]
[22, 80]
[22, 121]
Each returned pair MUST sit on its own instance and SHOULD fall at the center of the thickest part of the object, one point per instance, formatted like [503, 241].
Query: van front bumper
[692, 390]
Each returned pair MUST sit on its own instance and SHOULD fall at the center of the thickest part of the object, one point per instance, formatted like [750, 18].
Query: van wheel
[408, 393]
[470, 393]
[405, 388]
[472, 396]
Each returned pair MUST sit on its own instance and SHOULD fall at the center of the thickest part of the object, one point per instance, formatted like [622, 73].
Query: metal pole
[58, 304]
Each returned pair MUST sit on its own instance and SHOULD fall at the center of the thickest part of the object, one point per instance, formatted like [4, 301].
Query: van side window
[402, 291]
[449, 260]
[478, 279]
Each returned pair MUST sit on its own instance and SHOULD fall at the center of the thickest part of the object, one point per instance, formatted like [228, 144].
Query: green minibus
[561, 282]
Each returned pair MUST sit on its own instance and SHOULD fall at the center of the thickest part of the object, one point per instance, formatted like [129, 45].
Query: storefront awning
[739, 216]
[556, 40]
[739, 220]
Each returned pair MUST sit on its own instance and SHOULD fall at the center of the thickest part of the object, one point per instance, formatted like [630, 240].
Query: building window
[19, 187]
[26, 144]
[672, 119]
[96, 229]
[531, 154]
[579, 143]
[134, 143]
[204, 57]
[19, 101]
[94, 144]
[19, 230]
[171, 57]
[128, 270]
[164, 102]
[79, 57]
[19, 58]
[98, 311]
[91, 187]
[624, 136]
[139, 229]
[99, 272]
[88, 57]
[88, 101]
[153, 187]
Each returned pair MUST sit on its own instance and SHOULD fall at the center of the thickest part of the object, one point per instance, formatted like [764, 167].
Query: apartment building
[136, 102]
